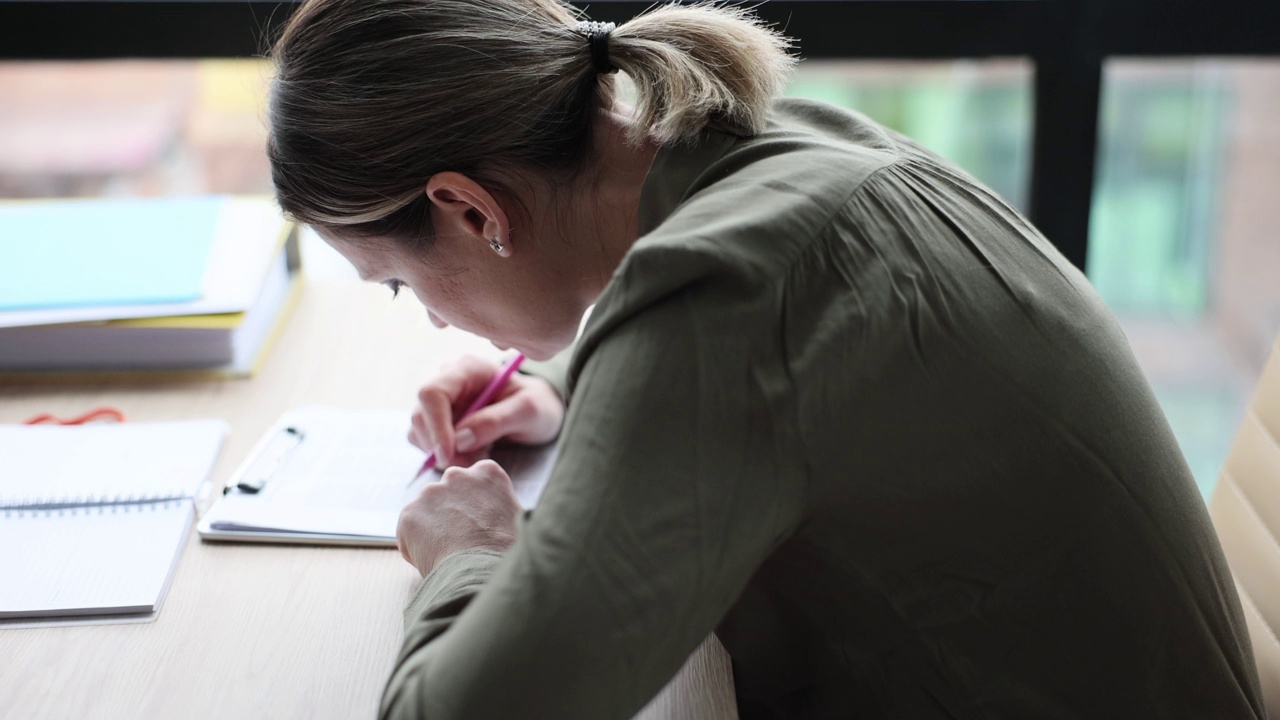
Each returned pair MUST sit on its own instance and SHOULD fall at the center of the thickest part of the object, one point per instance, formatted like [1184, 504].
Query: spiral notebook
[94, 517]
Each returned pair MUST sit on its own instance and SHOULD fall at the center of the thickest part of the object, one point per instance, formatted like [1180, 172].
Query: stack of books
[184, 287]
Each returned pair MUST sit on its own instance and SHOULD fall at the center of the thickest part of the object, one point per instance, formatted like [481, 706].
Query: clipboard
[324, 475]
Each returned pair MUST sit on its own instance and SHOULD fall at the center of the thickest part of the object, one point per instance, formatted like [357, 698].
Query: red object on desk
[102, 413]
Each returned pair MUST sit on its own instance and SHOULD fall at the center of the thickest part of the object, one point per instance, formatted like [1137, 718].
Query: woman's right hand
[526, 410]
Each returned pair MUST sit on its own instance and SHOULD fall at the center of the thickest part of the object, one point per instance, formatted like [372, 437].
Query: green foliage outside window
[1160, 151]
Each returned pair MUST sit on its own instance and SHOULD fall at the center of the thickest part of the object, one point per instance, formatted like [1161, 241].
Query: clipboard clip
[269, 462]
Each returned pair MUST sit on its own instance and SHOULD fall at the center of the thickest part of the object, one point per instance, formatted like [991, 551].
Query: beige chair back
[1246, 513]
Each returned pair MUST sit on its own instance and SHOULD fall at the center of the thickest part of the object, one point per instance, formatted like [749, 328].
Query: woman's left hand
[468, 509]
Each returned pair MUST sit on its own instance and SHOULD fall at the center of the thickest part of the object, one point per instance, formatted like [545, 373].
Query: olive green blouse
[844, 407]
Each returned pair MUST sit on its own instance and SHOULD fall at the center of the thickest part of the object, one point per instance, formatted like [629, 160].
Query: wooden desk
[261, 631]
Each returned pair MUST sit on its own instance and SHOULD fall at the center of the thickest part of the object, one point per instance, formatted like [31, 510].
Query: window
[1183, 243]
[132, 128]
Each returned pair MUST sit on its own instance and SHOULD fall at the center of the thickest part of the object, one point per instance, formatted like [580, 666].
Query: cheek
[449, 302]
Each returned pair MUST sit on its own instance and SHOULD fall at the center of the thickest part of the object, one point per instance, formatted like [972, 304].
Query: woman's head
[374, 98]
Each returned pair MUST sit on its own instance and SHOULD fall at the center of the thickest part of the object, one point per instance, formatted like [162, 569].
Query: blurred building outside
[1184, 241]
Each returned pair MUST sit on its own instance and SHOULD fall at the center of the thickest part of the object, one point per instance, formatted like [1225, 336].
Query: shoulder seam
[839, 208]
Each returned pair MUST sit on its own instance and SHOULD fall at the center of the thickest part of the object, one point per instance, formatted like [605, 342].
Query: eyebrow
[366, 276]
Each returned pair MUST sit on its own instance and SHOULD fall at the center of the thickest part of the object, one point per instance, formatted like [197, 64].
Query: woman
[836, 401]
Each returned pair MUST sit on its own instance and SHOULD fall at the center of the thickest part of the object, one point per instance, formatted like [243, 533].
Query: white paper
[53, 463]
[89, 561]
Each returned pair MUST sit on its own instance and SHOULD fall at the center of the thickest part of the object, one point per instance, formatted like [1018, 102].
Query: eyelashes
[395, 286]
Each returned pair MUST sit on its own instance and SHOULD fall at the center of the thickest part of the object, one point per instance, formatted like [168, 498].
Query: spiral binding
[86, 504]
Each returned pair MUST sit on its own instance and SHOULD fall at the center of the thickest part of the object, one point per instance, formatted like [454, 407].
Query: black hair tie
[598, 39]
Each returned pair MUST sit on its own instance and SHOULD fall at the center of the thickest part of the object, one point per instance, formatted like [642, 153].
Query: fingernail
[465, 440]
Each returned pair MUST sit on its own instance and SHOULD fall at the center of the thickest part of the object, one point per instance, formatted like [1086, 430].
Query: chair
[1246, 513]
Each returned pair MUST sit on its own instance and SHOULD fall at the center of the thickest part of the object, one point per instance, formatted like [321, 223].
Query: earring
[497, 246]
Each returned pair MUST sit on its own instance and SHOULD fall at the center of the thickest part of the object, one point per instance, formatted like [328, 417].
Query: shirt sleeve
[676, 479]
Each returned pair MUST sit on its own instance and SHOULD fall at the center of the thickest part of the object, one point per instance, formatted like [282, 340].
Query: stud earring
[497, 246]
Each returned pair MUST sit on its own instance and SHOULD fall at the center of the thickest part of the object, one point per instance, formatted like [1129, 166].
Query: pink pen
[481, 400]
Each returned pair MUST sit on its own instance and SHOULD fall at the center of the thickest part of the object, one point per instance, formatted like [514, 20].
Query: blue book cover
[75, 253]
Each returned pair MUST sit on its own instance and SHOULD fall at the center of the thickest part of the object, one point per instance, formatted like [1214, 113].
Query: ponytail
[698, 65]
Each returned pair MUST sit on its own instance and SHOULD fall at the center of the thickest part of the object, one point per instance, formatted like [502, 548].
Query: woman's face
[509, 300]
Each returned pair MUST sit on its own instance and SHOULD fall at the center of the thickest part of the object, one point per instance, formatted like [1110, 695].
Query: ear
[463, 207]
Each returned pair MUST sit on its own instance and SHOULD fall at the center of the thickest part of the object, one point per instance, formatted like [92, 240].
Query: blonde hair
[373, 97]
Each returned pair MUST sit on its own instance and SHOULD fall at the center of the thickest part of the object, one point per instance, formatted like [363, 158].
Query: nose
[437, 321]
